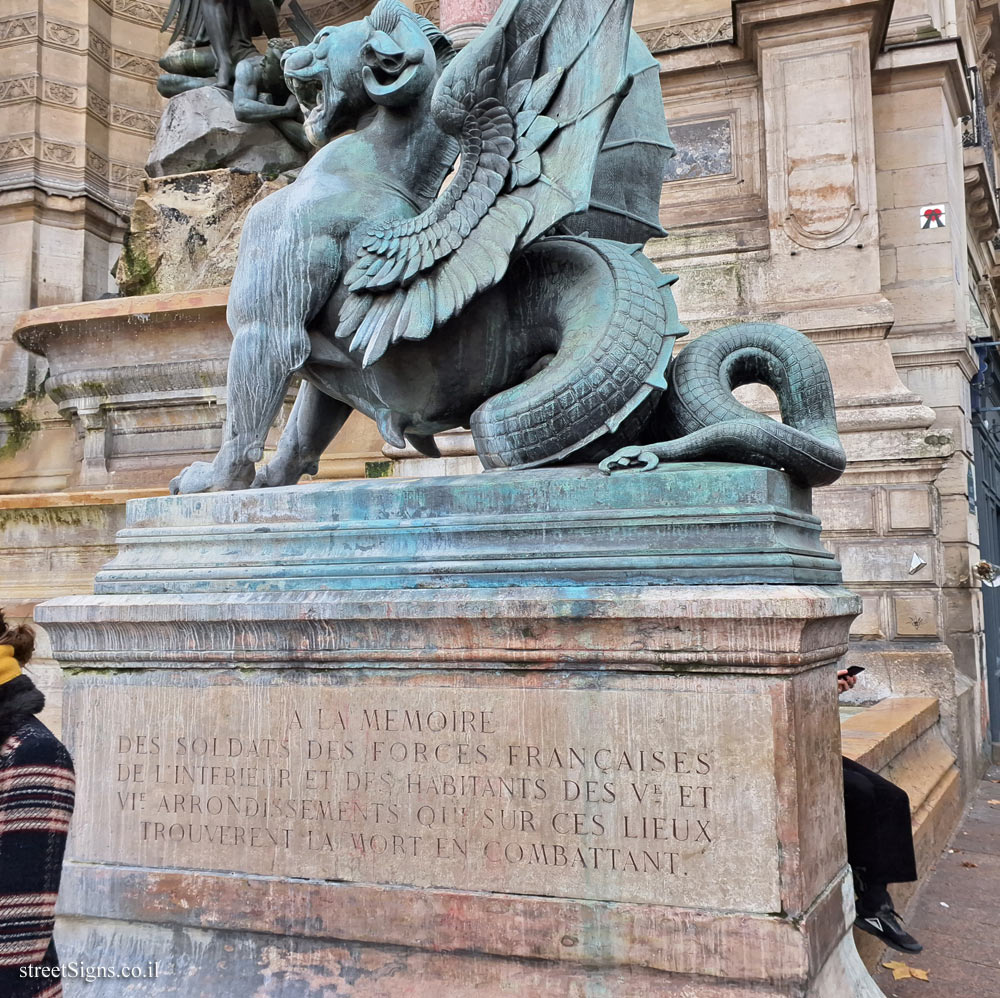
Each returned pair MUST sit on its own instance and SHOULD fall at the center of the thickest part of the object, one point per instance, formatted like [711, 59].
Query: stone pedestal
[543, 733]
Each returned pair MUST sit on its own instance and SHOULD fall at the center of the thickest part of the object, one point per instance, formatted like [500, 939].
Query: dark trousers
[879, 834]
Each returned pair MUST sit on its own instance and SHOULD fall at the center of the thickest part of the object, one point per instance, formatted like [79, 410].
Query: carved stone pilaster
[814, 62]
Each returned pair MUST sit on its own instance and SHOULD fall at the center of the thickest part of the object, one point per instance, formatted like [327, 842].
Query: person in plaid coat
[36, 802]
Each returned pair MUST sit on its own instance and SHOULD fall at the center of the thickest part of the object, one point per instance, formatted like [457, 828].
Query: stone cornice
[909, 67]
[761, 21]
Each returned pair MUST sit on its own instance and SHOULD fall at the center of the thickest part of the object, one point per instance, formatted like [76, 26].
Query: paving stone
[961, 942]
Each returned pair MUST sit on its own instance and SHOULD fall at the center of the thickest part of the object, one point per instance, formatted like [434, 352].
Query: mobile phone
[855, 669]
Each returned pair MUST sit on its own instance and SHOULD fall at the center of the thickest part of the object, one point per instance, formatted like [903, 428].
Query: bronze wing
[530, 102]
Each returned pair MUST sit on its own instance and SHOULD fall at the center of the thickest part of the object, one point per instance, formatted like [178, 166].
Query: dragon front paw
[278, 473]
[205, 476]
[633, 457]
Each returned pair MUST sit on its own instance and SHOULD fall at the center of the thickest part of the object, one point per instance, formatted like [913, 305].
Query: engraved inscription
[616, 795]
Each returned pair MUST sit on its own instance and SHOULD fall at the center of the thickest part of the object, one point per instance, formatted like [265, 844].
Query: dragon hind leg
[315, 419]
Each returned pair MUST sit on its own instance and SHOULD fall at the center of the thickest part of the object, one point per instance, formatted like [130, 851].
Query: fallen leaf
[901, 971]
[966, 863]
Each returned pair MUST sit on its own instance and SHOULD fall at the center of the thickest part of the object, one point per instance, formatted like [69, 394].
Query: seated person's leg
[879, 849]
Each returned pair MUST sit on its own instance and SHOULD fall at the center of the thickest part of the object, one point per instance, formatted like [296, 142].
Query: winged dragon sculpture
[515, 299]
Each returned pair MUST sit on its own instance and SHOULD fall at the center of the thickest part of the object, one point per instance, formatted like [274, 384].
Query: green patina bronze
[515, 300]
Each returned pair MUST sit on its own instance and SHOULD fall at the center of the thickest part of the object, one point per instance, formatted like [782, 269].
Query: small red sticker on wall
[932, 216]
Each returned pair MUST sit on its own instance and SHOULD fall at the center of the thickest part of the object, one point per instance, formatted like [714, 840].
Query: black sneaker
[884, 924]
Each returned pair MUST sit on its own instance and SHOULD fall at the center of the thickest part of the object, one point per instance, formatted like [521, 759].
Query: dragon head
[389, 58]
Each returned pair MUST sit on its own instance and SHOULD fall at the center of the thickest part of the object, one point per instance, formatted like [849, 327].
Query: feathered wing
[530, 102]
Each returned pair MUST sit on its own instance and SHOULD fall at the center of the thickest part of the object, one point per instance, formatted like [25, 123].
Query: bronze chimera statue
[515, 299]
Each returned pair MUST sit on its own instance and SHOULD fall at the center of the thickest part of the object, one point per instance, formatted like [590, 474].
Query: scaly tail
[701, 420]
[614, 323]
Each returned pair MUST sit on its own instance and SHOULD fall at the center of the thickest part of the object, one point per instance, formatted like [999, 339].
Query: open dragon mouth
[309, 93]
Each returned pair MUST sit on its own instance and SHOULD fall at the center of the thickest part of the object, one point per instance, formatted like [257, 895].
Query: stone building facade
[835, 172]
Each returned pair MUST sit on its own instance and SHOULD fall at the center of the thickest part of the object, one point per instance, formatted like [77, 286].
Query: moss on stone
[16, 429]
[138, 272]
[378, 469]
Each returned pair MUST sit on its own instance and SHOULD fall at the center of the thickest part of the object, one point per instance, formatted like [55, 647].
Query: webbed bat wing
[530, 101]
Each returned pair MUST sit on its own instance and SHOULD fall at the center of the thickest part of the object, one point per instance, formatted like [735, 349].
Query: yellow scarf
[10, 668]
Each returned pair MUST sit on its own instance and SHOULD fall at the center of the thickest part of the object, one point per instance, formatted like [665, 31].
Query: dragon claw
[207, 476]
[633, 457]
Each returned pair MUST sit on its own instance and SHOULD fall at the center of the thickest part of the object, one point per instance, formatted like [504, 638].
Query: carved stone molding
[986, 293]
[338, 11]
[127, 176]
[100, 48]
[132, 64]
[17, 147]
[99, 106]
[98, 164]
[687, 34]
[61, 93]
[64, 35]
[140, 11]
[18, 28]
[133, 119]
[58, 152]
[431, 9]
[18, 88]
[114, 182]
